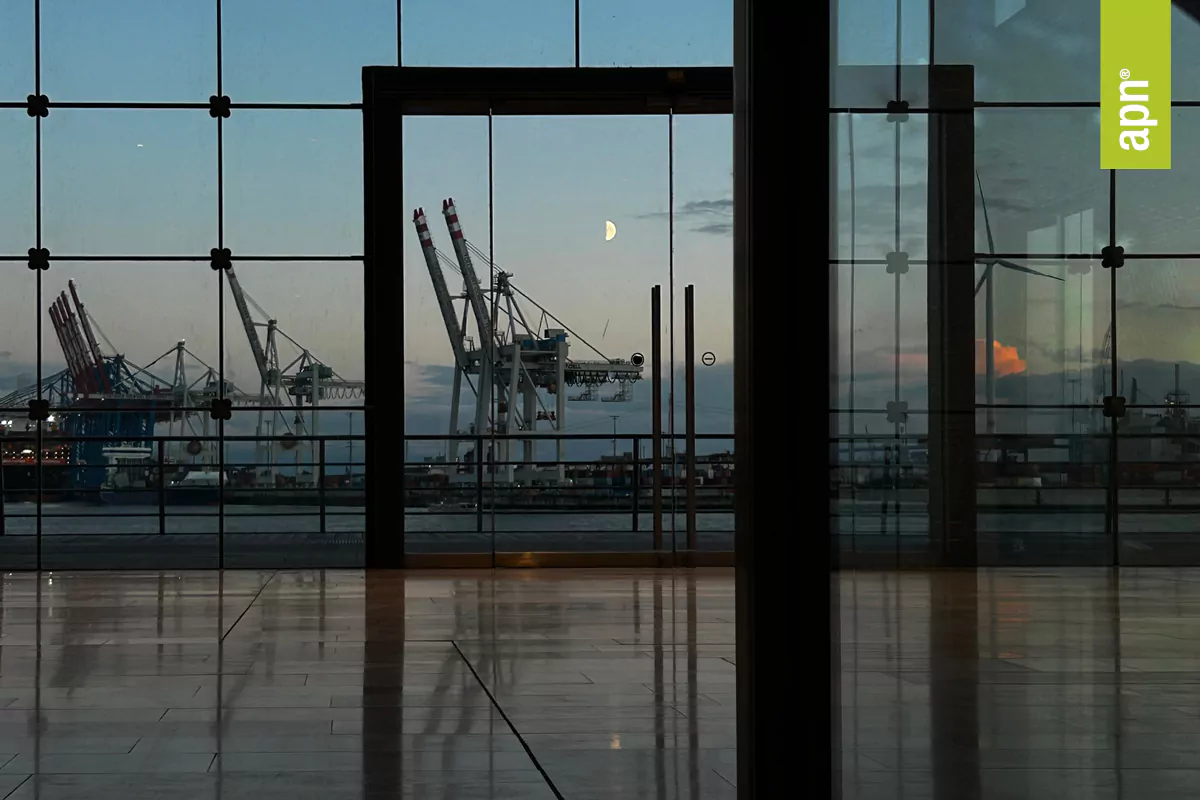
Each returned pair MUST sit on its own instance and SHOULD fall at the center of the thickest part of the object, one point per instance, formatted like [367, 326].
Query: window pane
[623, 33]
[867, 47]
[1157, 302]
[875, 214]
[1038, 169]
[18, 382]
[482, 33]
[308, 319]
[129, 182]
[159, 354]
[293, 183]
[304, 51]
[443, 157]
[18, 197]
[1185, 56]
[559, 183]
[16, 51]
[704, 258]
[1040, 52]
[1156, 210]
[132, 50]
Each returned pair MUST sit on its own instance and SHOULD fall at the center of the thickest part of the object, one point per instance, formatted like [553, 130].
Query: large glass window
[181, 371]
[1083, 413]
[182, 377]
[565, 252]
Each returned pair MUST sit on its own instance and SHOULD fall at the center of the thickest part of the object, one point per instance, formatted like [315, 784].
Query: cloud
[719, 206]
[1008, 361]
[425, 382]
[881, 363]
[698, 212]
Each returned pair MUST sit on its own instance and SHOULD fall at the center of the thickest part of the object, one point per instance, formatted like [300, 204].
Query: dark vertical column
[689, 383]
[656, 482]
[954, 610]
[383, 684]
[951, 314]
[383, 326]
[784, 597]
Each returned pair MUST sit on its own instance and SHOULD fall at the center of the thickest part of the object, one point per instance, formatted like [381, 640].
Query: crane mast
[93, 345]
[239, 299]
[445, 302]
[479, 308]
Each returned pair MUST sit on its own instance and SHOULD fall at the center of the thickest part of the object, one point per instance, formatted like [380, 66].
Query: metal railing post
[162, 491]
[689, 367]
[3, 516]
[636, 481]
[479, 472]
[321, 481]
[656, 413]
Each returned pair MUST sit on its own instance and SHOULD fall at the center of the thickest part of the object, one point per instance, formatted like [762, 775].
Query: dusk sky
[144, 182]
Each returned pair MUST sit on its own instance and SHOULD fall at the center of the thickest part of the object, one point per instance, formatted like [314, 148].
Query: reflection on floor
[1063, 684]
[331, 685]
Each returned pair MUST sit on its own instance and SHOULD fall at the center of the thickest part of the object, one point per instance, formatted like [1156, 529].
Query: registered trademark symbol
[1124, 74]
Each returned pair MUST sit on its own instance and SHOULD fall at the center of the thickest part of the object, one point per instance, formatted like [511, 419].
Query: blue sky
[137, 182]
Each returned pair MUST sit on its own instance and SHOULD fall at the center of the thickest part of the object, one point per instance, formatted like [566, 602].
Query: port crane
[518, 372]
[103, 395]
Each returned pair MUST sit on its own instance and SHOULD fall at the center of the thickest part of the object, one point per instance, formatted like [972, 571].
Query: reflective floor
[1063, 684]
[340, 684]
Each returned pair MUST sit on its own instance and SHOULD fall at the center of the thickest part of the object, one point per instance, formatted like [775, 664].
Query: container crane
[513, 358]
[449, 319]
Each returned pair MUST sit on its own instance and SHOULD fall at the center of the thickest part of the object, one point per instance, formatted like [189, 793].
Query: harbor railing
[612, 492]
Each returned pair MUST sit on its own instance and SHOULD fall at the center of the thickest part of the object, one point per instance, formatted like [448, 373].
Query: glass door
[545, 385]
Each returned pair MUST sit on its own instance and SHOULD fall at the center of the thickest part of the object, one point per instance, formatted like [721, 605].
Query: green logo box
[1135, 84]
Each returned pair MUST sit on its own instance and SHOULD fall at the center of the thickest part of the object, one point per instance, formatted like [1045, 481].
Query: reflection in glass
[1038, 175]
[129, 182]
[1020, 51]
[865, 42]
[877, 215]
[1157, 302]
[293, 183]
[1157, 210]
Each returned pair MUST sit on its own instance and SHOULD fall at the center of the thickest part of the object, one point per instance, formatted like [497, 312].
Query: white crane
[513, 358]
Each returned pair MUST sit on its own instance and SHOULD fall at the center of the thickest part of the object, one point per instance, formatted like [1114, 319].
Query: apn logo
[1135, 84]
[1134, 115]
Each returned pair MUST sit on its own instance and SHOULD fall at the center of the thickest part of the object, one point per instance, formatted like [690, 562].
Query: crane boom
[73, 346]
[93, 345]
[445, 303]
[256, 347]
[487, 344]
[474, 293]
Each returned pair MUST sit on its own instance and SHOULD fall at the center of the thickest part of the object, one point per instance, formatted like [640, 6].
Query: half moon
[610, 230]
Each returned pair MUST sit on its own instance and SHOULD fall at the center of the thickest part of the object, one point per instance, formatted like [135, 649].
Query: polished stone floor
[344, 684]
[1020, 683]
